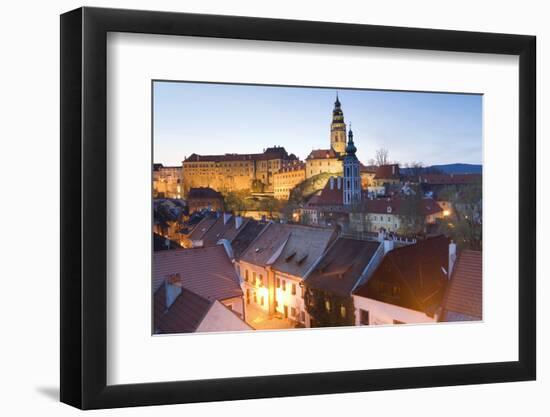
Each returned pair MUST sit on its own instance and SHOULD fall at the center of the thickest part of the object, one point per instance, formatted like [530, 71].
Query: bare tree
[382, 157]
[415, 168]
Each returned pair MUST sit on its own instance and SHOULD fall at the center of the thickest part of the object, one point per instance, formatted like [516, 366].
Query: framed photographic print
[257, 208]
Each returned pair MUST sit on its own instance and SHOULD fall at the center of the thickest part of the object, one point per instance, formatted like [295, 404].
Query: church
[321, 161]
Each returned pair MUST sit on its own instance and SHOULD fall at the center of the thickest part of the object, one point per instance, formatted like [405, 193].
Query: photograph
[285, 207]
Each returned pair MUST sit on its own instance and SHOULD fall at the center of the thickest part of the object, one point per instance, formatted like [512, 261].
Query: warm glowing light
[446, 213]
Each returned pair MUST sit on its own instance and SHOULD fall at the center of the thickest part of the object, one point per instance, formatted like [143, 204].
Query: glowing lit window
[343, 311]
[327, 305]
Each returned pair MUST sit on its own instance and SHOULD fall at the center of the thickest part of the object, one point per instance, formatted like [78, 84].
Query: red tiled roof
[206, 271]
[427, 206]
[304, 246]
[342, 266]
[220, 230]
[249, 232]
[464, 293]
[203, 192]
[384, 172]
[328, 196]
[322, 154]
[268, 242]
[419, 268]
[270, 153]
[202, 227]
[450, 179]
[184, 315]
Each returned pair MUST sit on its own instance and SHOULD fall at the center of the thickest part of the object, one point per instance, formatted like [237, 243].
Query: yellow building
[234, 172]
[288, 178]
[167, 181]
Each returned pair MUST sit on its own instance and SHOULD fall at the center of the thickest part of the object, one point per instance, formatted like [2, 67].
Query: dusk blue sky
[432, 128]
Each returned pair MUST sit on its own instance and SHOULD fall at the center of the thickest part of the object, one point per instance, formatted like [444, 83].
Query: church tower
[352, 178]
[338, 129]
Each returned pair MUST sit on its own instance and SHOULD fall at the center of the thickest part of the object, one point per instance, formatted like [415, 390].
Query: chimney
[238, 221]
[452, 258]
[331, 183]
[226, 217]
[167, 243]
[339, 181]
[393, 169]
[173, 286]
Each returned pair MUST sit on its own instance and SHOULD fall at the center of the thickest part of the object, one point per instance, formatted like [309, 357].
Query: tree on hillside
[235, 201]
[415, 168]
[465, 226]
[410, 213]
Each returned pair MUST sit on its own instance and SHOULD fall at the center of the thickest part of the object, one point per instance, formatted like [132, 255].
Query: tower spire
[338, 128]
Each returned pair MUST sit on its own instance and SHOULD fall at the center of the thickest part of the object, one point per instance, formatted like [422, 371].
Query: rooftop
[302, 249]
[203, 192]
[464, 292]
[184, 315]
[420, 269]
[206, 271]
[342, 266]
[276, 152]
[385, 172]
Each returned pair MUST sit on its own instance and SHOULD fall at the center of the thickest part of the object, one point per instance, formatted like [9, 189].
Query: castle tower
[352, 177]
[338, 129]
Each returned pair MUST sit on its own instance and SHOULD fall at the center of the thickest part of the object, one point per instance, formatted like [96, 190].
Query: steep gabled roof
[464, 292]
[206, 271]
[220, 230]
[202, 227]
[341, 266]
[184, 315]
[262, 249]
[249, 232]
[304, 247]
[420, 269]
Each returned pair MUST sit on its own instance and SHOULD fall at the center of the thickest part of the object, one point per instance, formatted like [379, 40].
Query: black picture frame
[84, 207]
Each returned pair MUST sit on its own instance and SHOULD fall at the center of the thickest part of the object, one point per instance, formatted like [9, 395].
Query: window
[303, 316]
[293, 312]
[327, 305]
[255, 298]
[364, 317]
[293, 289]
[302, 288]
[262, 300]
[254, 278]
[284, 285]
[246, 275]
[261, 278]
[343, 312]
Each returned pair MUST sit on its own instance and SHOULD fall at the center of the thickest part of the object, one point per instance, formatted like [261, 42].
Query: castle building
[167, 181]
[329, 160]
[352, 177]
[234, 172]
[288, 178]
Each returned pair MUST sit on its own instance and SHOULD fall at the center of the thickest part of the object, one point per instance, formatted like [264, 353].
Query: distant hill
[459, 168]
[450, 169]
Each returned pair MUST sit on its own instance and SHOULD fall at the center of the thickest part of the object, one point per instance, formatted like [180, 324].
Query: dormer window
[389, 209]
